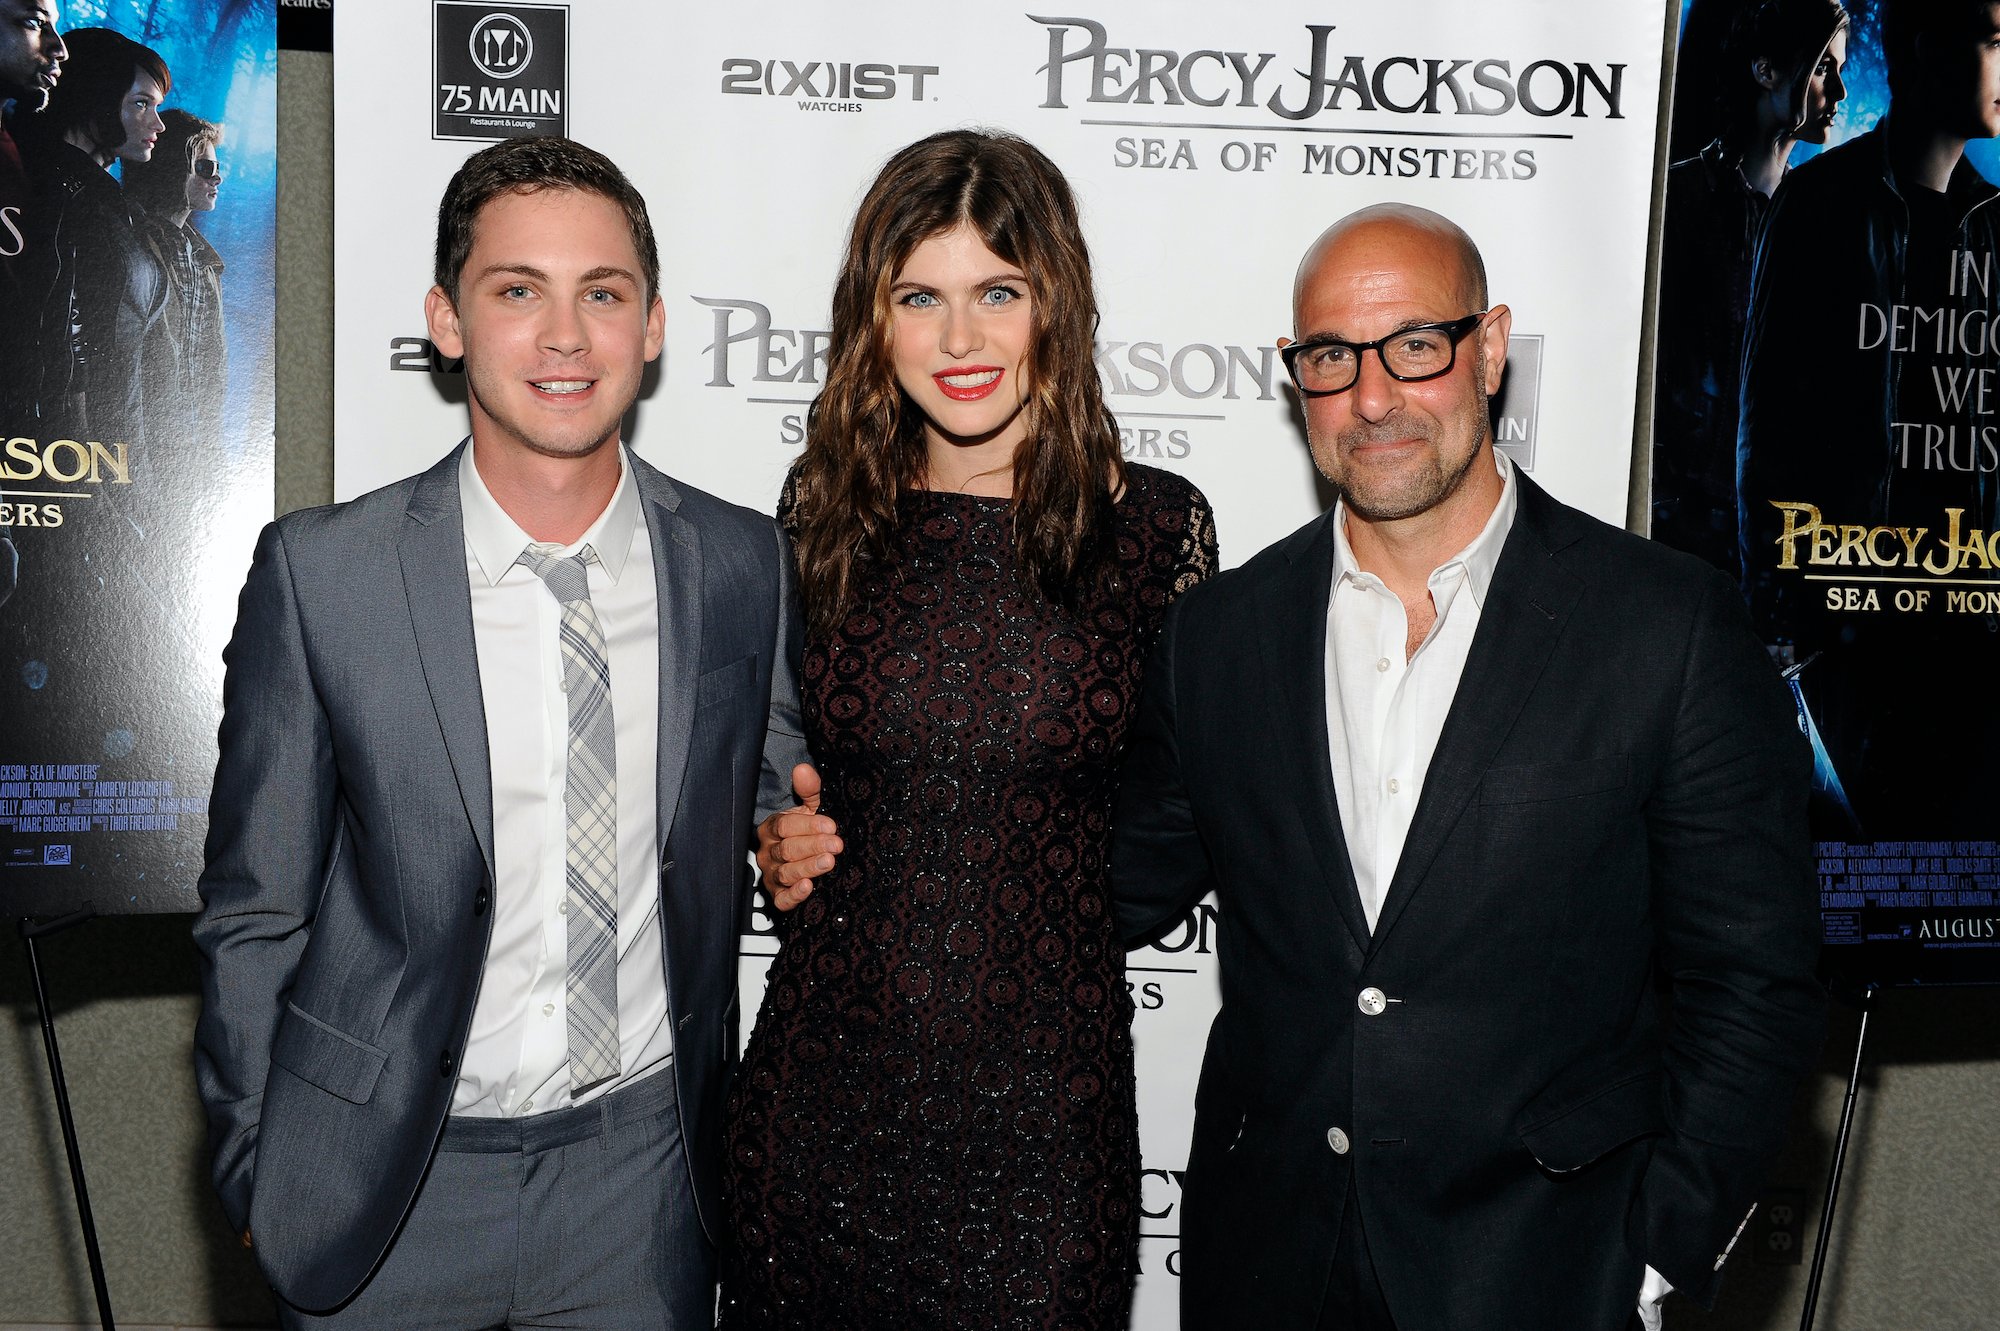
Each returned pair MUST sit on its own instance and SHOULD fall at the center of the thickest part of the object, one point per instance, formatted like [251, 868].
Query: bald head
[1412, 447]
[1395, 238]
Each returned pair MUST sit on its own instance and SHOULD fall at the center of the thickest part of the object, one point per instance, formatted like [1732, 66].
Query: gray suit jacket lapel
[677, 572]
[1523, 618]
[432, 550]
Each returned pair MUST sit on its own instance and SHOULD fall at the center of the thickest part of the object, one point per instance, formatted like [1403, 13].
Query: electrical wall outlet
[1779, 1228]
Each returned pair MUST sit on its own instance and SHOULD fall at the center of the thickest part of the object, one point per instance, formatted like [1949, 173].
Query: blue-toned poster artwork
[1826, 430]
[137, 317]
[1866, 75]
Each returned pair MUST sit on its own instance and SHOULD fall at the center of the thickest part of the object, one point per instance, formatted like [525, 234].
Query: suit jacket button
[1372, 1001]
[481, 901]
[446, 1064]
[1337, 1140]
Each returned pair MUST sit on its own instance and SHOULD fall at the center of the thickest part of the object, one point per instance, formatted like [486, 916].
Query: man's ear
[1493, 345]
[441, 318]
[656, 328]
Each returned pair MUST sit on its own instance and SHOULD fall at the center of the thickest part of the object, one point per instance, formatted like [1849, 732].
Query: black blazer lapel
[1526, 608]
[1295, 648]
[677, 574]
[432, 551]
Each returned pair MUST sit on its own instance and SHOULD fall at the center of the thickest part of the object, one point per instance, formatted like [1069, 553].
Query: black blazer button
[446, 1064]
[481, 901]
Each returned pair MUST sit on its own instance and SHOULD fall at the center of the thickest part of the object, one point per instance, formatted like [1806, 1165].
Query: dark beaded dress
[934, 1125]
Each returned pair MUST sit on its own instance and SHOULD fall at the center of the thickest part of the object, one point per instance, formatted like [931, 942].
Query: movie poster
[137, 254]
[1827, 430]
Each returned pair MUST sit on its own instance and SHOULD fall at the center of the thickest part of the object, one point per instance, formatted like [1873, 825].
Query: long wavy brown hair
[865, 438]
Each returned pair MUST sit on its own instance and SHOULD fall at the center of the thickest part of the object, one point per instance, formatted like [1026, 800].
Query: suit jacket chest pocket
[1544, 783]
[722, 721]
[1544, 817]
[725, 682]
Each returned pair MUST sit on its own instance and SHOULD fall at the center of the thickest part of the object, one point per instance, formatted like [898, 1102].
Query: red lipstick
[973, 381]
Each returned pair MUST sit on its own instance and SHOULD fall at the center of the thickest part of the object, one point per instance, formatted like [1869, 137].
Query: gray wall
[1913, 1249]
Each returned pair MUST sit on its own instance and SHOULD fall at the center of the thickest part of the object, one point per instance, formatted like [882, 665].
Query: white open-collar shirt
[1384, 710]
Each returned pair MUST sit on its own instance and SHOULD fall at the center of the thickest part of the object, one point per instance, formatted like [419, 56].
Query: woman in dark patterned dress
[934, 1125]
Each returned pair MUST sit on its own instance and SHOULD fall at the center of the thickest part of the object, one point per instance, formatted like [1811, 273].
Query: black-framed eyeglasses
[207, 168]
[1326, 365]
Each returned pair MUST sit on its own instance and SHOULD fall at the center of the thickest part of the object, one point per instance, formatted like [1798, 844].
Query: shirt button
[1337, 1140]
[1395, 786]
[1371, 1001]
[563, 909]
[562, 685]
[527, 1106]
[1382, 664]
[548, 1009]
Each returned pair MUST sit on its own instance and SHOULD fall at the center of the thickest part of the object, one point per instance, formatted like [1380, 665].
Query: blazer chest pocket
[725, 682]
[332, 1060]
[1534, 783]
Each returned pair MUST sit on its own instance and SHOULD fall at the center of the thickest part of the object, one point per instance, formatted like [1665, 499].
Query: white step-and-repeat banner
[1207, 147]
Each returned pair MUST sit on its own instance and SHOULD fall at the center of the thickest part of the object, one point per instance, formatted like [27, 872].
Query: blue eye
[919, 300]
[1000, 296]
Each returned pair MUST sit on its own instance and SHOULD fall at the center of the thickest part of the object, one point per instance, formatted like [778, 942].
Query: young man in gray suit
[493, 742]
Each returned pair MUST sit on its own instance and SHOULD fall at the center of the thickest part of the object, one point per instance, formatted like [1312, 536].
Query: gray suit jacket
[346, 900]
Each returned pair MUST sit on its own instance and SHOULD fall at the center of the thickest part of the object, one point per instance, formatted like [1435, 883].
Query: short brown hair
[528, 166]
[102, 67]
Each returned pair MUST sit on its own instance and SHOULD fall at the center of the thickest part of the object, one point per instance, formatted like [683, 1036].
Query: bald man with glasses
[1467, 769]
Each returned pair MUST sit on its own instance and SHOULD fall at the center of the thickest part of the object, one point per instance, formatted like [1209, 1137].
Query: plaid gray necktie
[590, 800]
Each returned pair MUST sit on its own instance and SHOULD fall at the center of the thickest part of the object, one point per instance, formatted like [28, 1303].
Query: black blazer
[1619, 790]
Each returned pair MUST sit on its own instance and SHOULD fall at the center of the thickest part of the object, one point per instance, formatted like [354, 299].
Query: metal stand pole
[30, 931]
[1839, 1159]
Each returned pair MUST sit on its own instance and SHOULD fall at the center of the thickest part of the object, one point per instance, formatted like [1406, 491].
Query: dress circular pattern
[934, 1125]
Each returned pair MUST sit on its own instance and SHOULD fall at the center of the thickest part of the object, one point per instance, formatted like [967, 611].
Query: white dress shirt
[1385, 709]
[517, 1057]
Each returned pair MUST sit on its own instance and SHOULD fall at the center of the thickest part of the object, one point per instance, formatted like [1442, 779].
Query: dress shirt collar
[496, 540]
[1477, 560]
